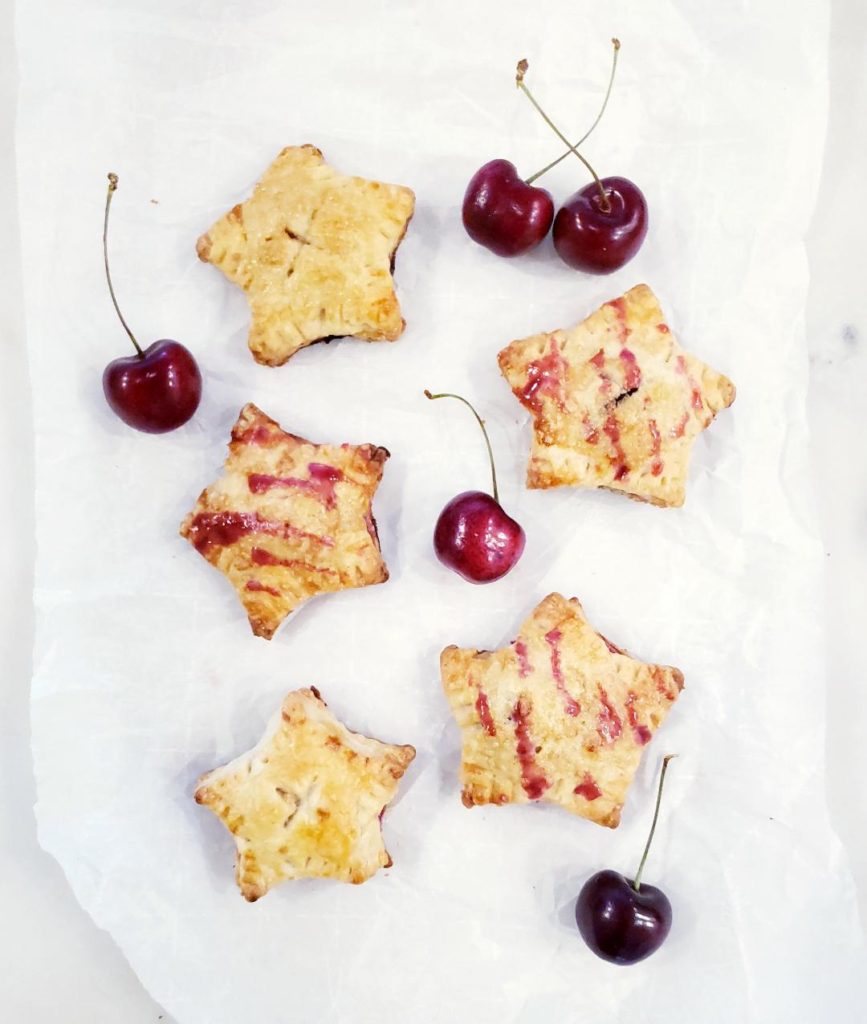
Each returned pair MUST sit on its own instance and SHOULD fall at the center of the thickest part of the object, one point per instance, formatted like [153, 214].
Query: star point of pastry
[289, 519]
[314, 252]
[616, 402]
[307, 801]
[560, 715]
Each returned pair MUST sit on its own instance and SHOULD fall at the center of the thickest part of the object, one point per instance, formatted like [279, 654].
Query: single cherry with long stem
[474, 536]
[158, 388]
[620, 919]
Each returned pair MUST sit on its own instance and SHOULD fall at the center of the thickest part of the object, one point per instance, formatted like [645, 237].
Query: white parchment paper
[146, 672]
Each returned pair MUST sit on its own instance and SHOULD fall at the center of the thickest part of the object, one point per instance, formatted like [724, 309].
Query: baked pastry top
[314, 251]
[289, 519]
[615, 400]
[560, 714]
[307, 800]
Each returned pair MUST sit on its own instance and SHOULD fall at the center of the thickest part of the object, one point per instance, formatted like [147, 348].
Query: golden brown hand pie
[314, 251]
[307, 800]
[616, 402]
[289, 519]
[560, 714]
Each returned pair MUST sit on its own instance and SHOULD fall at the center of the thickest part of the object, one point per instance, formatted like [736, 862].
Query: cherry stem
[481, 422]
[112, 188]
[591, 129]
[636, 885]
[522, 85]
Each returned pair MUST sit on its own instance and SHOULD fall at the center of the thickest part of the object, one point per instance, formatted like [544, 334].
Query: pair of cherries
[597, 230]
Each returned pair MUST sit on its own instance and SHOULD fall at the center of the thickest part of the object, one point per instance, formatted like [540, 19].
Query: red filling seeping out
[587, 788]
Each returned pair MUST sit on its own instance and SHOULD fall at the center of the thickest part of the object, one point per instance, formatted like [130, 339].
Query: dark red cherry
[476, 538]
[618, 923]
[158, 388]
[599, 236]
[156, 391]
[621, 919]
[474, 535]
[503, 213]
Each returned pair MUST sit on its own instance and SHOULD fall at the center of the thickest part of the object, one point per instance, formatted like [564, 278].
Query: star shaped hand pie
[289, 519]
[561, 714]
[314, 251]
[616, 402]
[307, 801]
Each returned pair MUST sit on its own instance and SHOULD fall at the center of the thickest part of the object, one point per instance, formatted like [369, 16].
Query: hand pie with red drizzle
[314, 251]
[560, 714]
[289, 519]
[307, 801]
[616, 402]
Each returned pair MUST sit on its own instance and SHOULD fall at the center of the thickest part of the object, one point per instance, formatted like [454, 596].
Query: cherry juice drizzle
[532, 777]
[320, 483]
[639, 731]
[221, 529]
[524, 667]
[545, 376]
[655, 448]
[484, 712]
[631, 370]
[612, 432]
[553, 639]
[608, 723]
[588, 788]
[257, 585]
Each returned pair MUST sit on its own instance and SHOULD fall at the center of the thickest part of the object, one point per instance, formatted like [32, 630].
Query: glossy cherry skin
[589, 238]
[618, 923]
[503, 213]
[156, 391]
[477, 539]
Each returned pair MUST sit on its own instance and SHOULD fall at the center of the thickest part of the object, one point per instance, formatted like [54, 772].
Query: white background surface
[52, 939]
